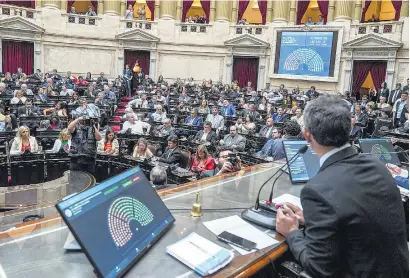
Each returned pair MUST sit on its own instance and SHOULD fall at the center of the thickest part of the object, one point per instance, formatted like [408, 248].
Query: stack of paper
[287, 198]
[200, 254]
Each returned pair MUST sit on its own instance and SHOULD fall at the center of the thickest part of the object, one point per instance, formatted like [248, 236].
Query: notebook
[200, 254]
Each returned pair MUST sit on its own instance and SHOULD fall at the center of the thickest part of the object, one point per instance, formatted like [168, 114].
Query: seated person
[193, 119]
[266, 130]
[228, 109]
[65, 91]
[401, 177]
[50, 91]
[312, 92]
[81, 82]
[298, 116]
[159, 115]
[203, 161]
[204, 108]
[246, 127]
[23, 141]
[141, 102]
[56, 110]
[75, 100]
[90, 92]
[361, 116]
[158, 178]
[102, 78]
[279, 116]
[233, 140]
[183, 97]
[252, 113]
[206, 135]
[164, 130]
[26, 91]
[172, 153]
[100, 100]
[109, 94]
[135, 125]
[62, 142]
[141, 150]
[41, 96]
[28, 109]
[274, 97]
[109, 145]
[86, 109]
[356, 132]
[222, 165]
[275, 134]
[216, 119]
[53, 123]
[19, 98]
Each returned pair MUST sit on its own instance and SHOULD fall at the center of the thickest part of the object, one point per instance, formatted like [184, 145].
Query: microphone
[261, 217]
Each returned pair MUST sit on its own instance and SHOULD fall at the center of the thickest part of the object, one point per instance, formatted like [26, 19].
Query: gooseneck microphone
[265, 218]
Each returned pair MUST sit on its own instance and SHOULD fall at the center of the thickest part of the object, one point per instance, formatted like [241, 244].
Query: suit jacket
[228, 111]
[278, 118]
[238, 140]
[362, 119]
[211, 137]
[264, 130]
[393, 96]
[355, 224]
[196, 121]
[171, 156]
[355, 134]
[23, 111]
[217, 121]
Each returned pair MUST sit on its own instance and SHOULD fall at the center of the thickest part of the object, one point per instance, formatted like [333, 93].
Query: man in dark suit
[395, 94]
[361, 116]
[352, 210]
[28, 109]
[266, 131]
[172, 153]
[356, 132]
[206, 135]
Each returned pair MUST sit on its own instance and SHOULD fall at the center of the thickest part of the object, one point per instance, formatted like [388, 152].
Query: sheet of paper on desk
[287, 198]
[237, 226]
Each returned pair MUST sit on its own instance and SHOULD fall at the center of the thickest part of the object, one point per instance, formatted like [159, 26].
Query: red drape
[186, 5]
[302, 7]
[18, 55]
[378, 72]
[131, 2]
[206, 6]
[70, 3]
[323, 7]
[360, 71]
[243, 4]
[151, 6]
[95, 5]
[244, 70]
[21, 3]
[397, 7]
[143, 58]
[263, 7]
[366, 6]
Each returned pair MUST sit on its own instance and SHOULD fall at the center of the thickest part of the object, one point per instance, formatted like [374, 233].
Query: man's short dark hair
[208, 123]
[172, 138]
[291, 128]
[327, 118]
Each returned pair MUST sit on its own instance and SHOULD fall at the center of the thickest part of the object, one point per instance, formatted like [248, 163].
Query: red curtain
[70, 3]
[360, 71]
[302, 7]
[143, 58]
[243, 4]
[323, 7]
[95, 5]
[263, 7]
[244, 70]
[21, 3]
[131, 2]
[186, 5]
[366, 6]
[206, 6]
[397, 7]
[378, 72]
[151, 6]
[18, 55]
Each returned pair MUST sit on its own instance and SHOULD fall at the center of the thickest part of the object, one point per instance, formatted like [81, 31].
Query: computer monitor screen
[381, 148]
[305, 166]
[116, 221]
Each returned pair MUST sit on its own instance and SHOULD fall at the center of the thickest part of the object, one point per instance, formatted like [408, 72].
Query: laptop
[381, 148]
[117, 221]
[305, 166]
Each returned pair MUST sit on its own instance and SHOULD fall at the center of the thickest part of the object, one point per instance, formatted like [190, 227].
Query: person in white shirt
[19, 98]
[298, 117]
[216, 120]
[26, 91]
[139, 102]
[159, 115]
[66, 92]
[274, 97]
[135, 125]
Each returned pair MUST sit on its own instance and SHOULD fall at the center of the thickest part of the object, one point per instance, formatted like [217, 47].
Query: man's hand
[286, 221]
[227, 167]
[297, 211]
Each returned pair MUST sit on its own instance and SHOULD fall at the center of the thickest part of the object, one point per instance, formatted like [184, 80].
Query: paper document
[287, 198]
[237, 226]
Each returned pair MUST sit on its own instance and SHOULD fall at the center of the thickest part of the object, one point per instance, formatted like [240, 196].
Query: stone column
[229, 67]
[269, 12]
[223, 10]
[178, 16]
[404, 12]
[261, 73]
[64, 5]
[153, 64]
[280, 11]
[357, 11]
[157, 10]
[54, 4]
[348, 73]
[331, 11]
[37, 55]
[123, 7]
[343, 10]
[391, 64]
[120, 62]
[234, 16]
[212, 11]
[38, 3]
[100, 7]
[1, 57]
[168, 9]
[111, 7]
[292, 13]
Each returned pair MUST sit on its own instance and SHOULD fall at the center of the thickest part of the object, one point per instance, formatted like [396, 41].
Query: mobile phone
[237, 241]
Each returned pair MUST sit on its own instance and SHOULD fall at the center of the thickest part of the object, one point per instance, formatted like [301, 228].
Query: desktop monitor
[305, 166]
[381, 148]
[116, 221]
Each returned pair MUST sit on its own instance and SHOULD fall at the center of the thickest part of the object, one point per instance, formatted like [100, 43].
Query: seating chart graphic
[120, 214]
[381, 152]
[306, 56]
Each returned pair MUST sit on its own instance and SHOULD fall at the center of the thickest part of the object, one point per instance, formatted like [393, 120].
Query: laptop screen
[305, 166]
[116, 221]
[381, 148]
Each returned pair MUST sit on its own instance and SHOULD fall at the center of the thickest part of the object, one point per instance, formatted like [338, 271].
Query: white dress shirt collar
[332, 152]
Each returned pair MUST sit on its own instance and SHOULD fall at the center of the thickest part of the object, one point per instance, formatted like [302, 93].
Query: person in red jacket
[80, 81]
[202, 160]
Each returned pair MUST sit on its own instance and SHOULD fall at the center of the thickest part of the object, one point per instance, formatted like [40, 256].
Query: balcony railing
[193, 28]
[9, 10]
[139, 24]
[237, 30]
[83, 19]
[389, 29]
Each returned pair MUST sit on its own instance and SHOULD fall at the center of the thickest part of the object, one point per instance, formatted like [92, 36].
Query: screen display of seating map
[305, 53]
